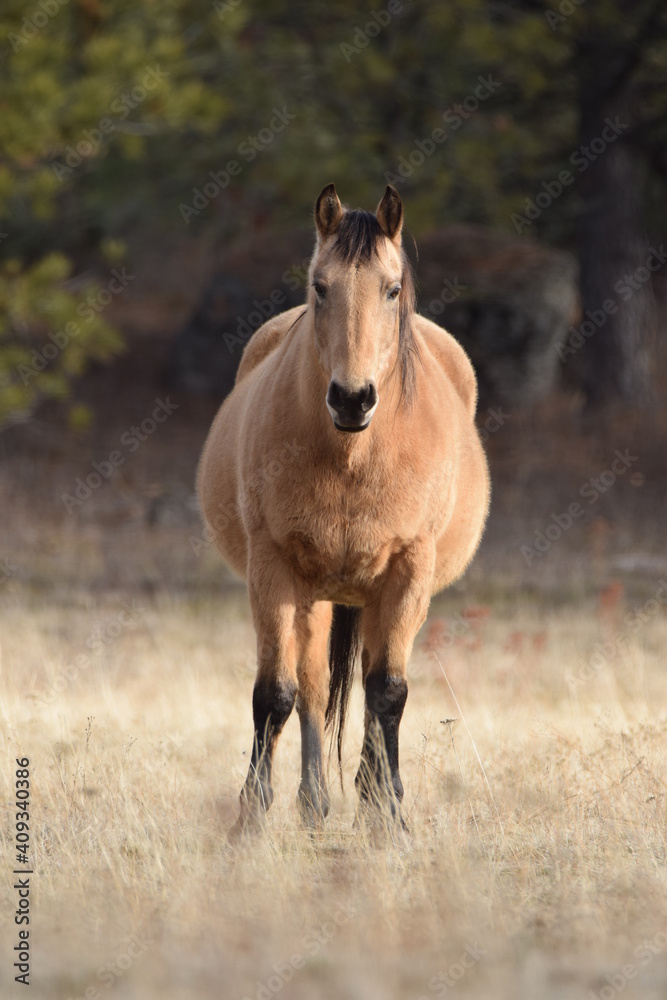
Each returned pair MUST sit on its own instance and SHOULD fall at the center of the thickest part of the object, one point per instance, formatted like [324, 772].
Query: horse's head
[362, 294]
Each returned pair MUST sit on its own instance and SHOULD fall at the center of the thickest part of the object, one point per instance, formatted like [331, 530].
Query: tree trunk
[616, 360]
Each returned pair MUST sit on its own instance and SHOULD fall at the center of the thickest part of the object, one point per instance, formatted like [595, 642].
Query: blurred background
[158, 166]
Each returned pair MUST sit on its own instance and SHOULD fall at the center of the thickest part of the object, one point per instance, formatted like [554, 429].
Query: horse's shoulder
[452, 358]
[266, 339]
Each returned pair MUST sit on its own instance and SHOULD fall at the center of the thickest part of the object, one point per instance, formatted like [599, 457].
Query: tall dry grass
[534, 870]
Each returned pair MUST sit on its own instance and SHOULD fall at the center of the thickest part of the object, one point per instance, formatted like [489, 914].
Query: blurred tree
[621, 59]
[89, 93]
[208, 116]
[610, 83]
[475, 110]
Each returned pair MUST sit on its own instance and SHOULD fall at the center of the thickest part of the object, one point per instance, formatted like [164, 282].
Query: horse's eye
[393, 293]
[320, 289]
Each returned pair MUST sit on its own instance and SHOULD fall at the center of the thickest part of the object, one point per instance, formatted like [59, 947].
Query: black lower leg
[378, 772]
[272, 703]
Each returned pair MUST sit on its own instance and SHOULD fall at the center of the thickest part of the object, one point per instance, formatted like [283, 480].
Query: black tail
[344, 649]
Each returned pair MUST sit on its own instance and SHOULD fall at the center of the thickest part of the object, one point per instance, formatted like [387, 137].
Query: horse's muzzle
[351, 411]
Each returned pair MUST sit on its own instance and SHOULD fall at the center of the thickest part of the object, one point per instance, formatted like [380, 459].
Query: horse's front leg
[313, 627]
[273, 603]
[389, 625]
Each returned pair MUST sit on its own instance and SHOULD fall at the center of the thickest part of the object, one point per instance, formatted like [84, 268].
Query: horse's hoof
[382, 820]
[312, 809]
[249, 824]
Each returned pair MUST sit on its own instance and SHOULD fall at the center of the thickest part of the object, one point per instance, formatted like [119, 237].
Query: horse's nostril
[335, 395]
[370, 397]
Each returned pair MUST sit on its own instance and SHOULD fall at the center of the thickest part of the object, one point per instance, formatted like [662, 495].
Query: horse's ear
[390, 214]
[328, 211]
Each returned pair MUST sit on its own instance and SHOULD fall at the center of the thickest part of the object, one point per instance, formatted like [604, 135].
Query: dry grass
[547, 889]
[544, 882]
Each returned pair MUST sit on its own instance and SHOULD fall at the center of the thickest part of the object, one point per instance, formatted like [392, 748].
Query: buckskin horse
[344, 479]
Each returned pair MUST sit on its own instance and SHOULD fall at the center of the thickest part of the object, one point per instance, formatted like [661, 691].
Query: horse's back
[452, 359]
[457, 544]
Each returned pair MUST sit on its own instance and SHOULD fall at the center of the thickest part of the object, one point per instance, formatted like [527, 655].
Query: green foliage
[48, 333]
[113, 114]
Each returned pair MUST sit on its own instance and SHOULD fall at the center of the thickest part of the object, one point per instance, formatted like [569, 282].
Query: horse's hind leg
[389, 626]
[273, 606]
[313, 625]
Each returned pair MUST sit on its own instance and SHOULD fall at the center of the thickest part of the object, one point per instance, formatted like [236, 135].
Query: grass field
[540, 876]
[535, 867]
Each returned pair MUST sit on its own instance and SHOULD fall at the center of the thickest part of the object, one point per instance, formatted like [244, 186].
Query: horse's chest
[339, 538]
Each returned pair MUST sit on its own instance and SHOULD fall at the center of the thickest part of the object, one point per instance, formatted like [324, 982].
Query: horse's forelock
[358, 237]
